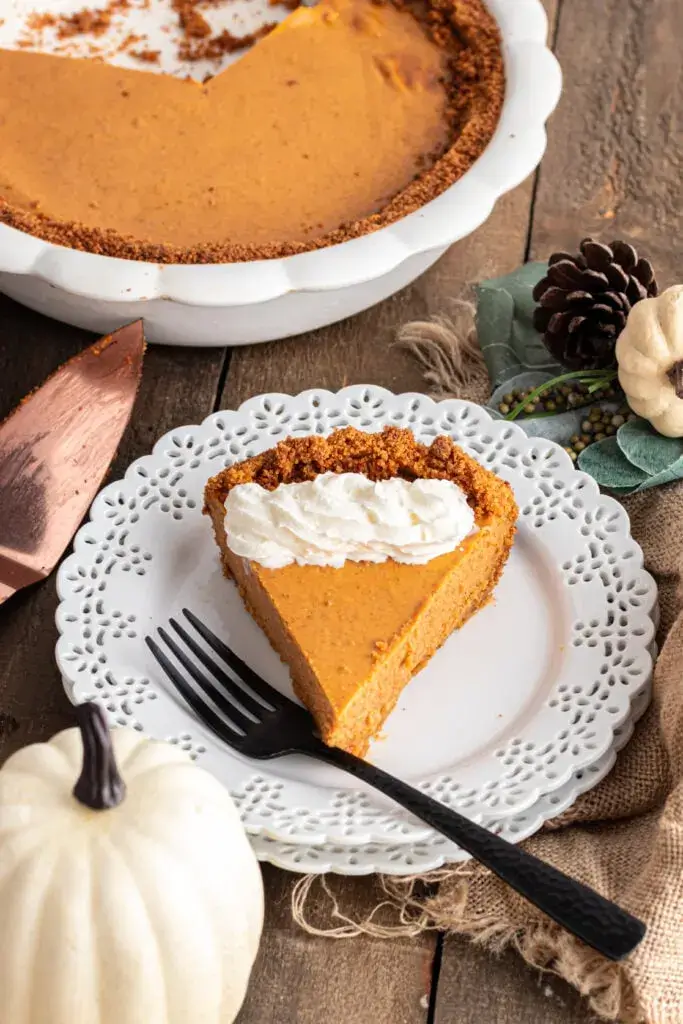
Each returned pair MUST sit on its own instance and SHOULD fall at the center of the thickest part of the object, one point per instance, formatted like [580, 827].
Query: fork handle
[581, 910]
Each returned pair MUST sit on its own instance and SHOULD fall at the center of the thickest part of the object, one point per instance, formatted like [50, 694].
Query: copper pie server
[55, 449]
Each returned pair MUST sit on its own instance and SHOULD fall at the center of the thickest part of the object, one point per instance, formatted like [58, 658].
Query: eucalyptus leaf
[667, 476]
[607, 464]
[508, 339]
[520, 282]
[495, 313]
[527, 343]
[648, 450]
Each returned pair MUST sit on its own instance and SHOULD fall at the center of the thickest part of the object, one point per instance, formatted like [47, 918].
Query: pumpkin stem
[100, 785]
[675, 375]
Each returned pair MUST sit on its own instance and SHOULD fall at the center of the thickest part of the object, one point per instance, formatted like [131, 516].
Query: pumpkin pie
[346, 117]
[354, 635]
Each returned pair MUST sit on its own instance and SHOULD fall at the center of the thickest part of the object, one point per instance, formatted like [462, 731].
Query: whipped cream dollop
[340, 516]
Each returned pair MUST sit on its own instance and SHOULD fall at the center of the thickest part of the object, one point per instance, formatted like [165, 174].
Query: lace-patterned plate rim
[437, 851]
[433, 852]
[147, 551]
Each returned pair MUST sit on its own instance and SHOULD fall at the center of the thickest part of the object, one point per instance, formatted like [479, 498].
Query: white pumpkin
[650, 359]
[147, 910]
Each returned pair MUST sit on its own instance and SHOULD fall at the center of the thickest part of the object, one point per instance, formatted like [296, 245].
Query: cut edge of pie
[354, 637]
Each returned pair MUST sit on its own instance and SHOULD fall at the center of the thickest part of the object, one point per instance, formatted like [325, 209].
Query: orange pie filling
[353, 636]
[344, 118]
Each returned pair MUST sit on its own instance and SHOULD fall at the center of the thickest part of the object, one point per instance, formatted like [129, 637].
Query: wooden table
[613, 168]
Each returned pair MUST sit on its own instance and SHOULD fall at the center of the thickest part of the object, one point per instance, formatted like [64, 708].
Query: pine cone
[584, 301]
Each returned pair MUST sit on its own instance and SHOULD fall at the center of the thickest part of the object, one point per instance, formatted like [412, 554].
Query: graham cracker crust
[392, 452]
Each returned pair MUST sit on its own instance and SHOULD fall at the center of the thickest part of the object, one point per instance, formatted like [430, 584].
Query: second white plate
[436, 851]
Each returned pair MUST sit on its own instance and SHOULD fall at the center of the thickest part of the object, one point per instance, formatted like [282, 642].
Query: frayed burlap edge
[447, 351]
[544, 946]
[445, 347]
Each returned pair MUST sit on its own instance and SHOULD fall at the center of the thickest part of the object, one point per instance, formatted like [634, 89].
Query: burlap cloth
[624, 838]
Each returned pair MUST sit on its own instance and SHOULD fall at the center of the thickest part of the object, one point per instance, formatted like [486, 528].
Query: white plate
[511, 707]
[241, 303]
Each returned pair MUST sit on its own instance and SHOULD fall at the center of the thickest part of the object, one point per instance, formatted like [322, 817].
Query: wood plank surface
[613, 167]
[302, 979]
[614, 163]
[477, 987]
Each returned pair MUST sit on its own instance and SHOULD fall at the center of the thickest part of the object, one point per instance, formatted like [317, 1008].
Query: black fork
[256, 720]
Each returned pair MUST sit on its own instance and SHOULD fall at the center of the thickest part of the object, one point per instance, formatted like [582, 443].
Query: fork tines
[235, 690]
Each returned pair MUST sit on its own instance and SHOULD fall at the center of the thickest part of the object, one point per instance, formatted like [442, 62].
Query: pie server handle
[579, 909]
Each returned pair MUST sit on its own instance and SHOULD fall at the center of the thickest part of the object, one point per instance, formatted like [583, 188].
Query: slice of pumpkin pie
[358, 555]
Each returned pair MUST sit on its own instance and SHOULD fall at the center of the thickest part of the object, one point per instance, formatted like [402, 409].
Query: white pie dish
[242, 303]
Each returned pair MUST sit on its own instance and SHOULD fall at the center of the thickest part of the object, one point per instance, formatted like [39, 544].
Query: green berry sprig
[598, 424]
[568, 391]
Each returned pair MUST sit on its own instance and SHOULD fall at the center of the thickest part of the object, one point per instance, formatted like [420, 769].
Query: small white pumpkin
[135, 903]
[650, 359]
